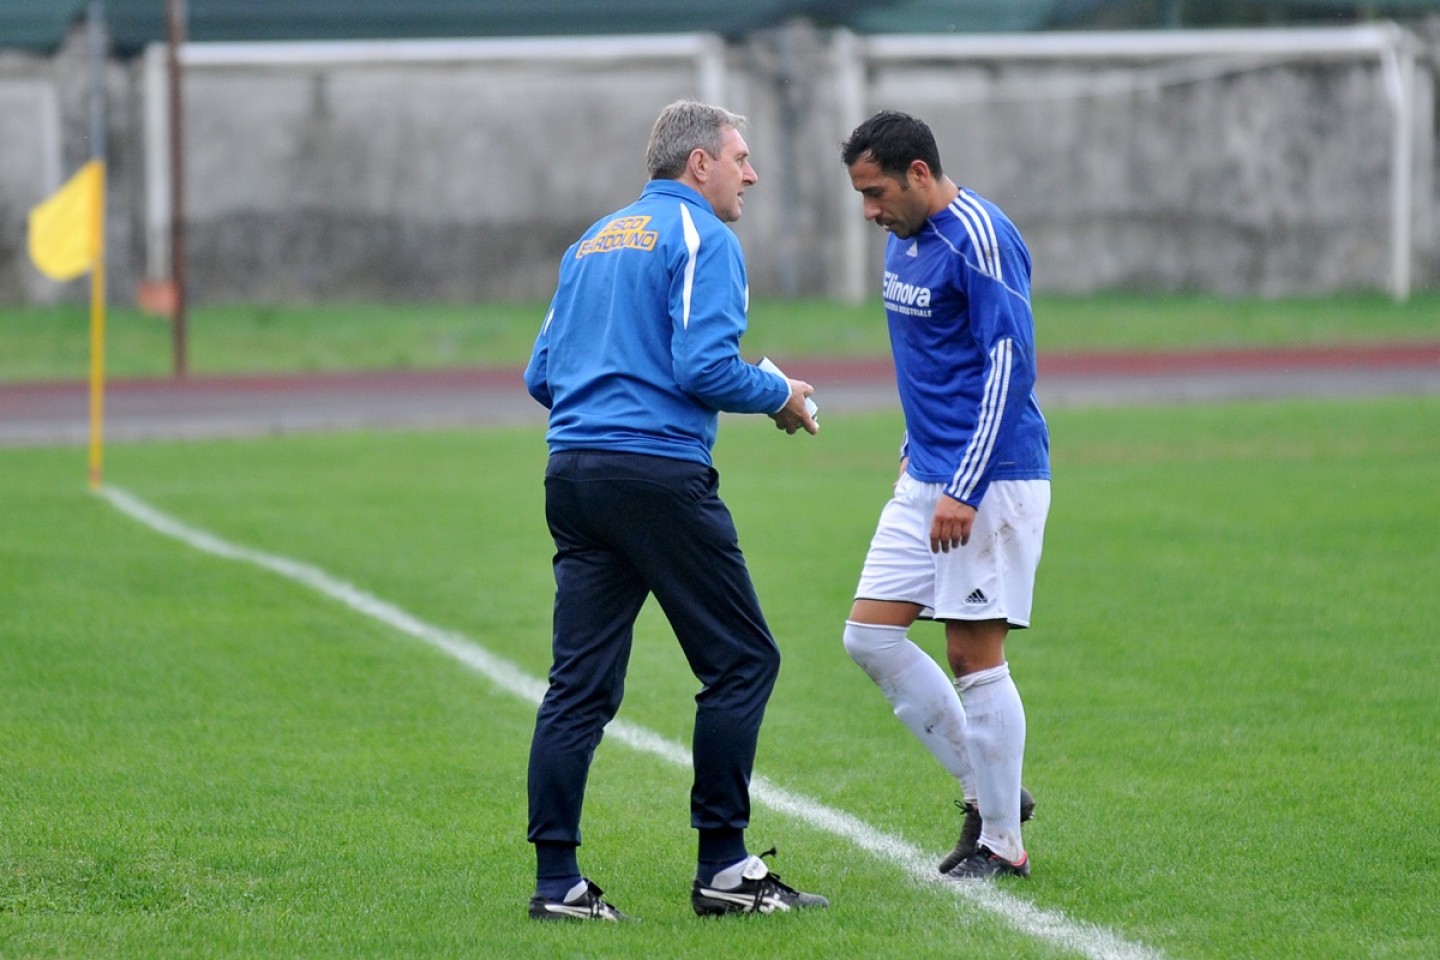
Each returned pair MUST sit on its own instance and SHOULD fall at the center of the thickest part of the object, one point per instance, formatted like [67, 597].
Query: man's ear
[919, 173]
[698, 163]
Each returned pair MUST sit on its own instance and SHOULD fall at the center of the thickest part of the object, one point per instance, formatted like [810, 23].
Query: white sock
[995, 720]
[919, 690]
[738, 872]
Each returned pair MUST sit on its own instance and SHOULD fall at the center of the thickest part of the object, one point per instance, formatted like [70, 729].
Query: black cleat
[759, 892]
[588, 905]
[985, 864]
[970, 830]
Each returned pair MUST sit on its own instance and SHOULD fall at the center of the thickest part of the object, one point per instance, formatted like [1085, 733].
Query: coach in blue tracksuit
[638, 353]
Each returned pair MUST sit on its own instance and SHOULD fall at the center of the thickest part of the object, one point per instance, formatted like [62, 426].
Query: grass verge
[53, 343]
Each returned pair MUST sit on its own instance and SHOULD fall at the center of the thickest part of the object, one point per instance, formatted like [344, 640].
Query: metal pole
[96, 27]
[1398, 65]
[175, 16]
[849, 65]
[789, 92]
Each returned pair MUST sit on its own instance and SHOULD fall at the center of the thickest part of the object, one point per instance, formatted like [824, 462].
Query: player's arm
[1009, 378]
[950, 527]
[1001, 322]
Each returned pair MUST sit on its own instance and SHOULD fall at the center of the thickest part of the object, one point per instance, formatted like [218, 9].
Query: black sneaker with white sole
[579, 904]
[759, 891]
[985, 864]
[970, 830]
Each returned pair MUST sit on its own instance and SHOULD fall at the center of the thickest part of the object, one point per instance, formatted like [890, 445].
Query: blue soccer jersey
[957, 298]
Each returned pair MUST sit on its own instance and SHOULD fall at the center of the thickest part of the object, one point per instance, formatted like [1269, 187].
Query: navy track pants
[626, 526]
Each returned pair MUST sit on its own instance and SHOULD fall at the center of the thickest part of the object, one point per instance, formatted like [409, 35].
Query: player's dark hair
[893, 140]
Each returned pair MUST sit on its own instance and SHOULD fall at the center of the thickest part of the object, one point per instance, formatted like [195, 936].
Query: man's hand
[793, 416]
[952, 524]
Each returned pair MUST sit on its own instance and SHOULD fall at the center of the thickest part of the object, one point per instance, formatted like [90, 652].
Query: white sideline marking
[1085, 939]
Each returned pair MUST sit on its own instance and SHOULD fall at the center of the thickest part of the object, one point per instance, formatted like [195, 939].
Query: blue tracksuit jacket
[640, 348]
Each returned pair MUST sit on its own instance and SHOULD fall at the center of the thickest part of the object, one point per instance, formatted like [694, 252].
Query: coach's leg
[597, 597]
[699, 576]
[995, 721]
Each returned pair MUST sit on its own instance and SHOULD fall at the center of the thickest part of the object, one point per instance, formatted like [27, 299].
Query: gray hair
[680, 129]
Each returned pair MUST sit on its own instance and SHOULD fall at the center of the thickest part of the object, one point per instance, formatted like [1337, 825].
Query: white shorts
[990, 578]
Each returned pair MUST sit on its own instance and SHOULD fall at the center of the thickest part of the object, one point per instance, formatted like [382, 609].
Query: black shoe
[984, 864]
[589, 905]
[970, 830]
[759, 892]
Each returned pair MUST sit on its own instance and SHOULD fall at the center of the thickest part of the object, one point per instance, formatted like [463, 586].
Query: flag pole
[97, 345]
[97, 272]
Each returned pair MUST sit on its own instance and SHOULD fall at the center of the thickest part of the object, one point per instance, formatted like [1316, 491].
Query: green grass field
[1230, 692]
[53, 342]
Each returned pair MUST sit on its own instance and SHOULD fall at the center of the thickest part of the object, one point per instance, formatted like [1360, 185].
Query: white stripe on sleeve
[982, 232]
[992, 410]
[692, 244]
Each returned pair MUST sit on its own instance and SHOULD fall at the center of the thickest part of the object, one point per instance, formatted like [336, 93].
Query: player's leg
[896, 587]
[995, 717]
[917, 688]
[983, 591]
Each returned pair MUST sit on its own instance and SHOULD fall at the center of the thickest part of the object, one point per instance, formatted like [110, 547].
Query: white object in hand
[768, 366]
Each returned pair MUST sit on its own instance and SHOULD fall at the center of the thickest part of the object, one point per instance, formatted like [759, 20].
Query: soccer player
[959, 541]
[638, 353]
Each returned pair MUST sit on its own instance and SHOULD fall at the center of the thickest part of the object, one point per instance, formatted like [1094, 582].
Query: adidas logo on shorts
[977, 596]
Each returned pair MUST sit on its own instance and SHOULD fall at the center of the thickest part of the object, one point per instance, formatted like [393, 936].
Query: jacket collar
[674, 188]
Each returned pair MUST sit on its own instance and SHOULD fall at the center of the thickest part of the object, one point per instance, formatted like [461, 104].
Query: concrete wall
[442, 184]
[1268, 182]
[450, 181]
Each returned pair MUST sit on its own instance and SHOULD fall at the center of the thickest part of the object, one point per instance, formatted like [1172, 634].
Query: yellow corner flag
[67, 239]
[65, 232]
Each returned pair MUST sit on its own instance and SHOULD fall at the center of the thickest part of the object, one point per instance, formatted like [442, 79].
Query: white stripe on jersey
[692, 244]
[974, 242]
[978, 269]
[992, 409]
[982, 232]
